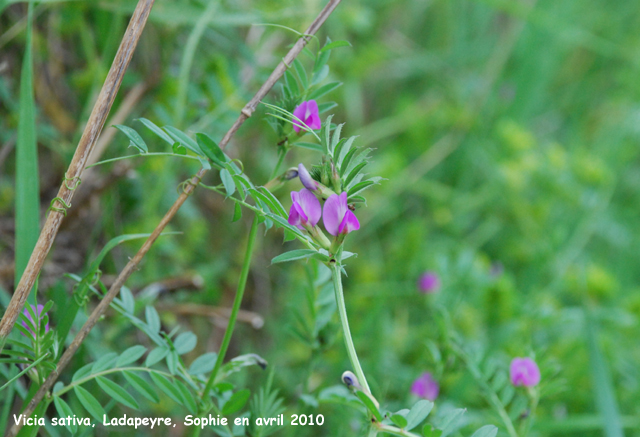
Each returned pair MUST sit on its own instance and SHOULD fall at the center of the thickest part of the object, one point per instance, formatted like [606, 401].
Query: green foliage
[266, 403]
[27, 185]
[508, 134]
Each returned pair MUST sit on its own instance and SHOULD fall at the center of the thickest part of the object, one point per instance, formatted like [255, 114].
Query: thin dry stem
[72, 176]
[254, 319]
[246, 112]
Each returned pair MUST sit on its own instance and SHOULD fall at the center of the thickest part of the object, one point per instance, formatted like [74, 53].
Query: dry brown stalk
[72, 176]
[132, 265]
[255, 320]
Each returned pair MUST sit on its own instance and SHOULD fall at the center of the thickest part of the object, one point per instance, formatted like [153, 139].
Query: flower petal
[333, 212]
[296, 214]
[306, 179]
[313, 120]
[349, 223]
[310, 205]
[299, 112]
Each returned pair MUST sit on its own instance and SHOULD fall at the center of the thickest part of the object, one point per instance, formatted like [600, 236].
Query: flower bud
[306, 179]
[351, 380]
[335, 179]
[291, 173]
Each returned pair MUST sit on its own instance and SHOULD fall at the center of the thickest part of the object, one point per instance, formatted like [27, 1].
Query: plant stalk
[342, 311]
[237, 301]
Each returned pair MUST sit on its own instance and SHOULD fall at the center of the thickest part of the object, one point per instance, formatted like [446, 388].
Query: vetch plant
[199, 392]
[331, 198]
[36, 317]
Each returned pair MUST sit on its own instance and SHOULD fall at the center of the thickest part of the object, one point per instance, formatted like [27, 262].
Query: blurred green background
[508, 132]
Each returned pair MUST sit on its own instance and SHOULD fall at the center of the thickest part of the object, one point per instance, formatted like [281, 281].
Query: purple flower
[524, 371]
[426, 387]
[307, 112]
[38, 311]
[429, 282]
[306, 209]
[338, 218]
[306, 179]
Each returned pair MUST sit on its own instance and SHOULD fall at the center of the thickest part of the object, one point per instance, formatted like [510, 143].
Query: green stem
[236, 307]
[387, 429]
[35, 363]
[490, 394]
[142, 155]
[342, 310]
[107, 372]
[282, 152]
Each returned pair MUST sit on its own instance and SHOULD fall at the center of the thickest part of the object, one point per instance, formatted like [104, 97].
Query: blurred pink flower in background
[429, 282]
[426, 387]
[524, 371]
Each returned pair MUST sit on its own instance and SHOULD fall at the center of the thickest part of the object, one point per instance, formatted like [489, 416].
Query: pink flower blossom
[38, 312]
[524, 371]
[306, 209]
[338, 218]
[429, 282]
[426, 387]
[307, 112]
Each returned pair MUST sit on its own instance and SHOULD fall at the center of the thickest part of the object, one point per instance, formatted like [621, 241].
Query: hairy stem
[342, 310]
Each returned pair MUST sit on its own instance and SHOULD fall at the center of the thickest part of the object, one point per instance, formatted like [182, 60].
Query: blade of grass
[187, 60]
[27, 183]
[603, 389]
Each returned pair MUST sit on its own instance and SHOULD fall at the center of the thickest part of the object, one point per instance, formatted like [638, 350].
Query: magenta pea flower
[38, 310]
[429, 282]
[306, 179]
[306, 209]
[524, 371]
[307, 112]
[338, 218]
[426, 387]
